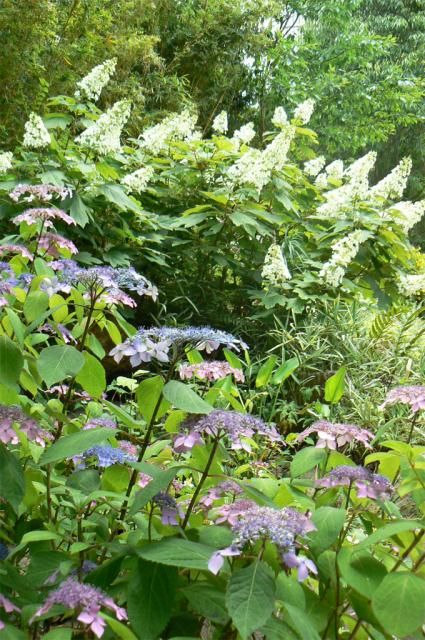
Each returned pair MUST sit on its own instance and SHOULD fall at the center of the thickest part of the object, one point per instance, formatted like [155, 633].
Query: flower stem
[201, 481]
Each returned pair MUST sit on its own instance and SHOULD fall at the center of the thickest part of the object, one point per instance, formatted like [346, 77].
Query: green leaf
[116, 194]
[159, 483]
[361, 571]
[285, 370]
[12, 482]
[58, 634]
[183, 397]
[76, 443]
[120, 630]
[150, 614]
[92, 376]
[335, 386]
[177, 552]
[38, 536]
[250, 597]
[276, 629]
[265, 372]
[122, 415]
[207, 601]
[306, 459]
[148, 394]
[17, 326]
[11, 361]
[79, 211]
[35, 305]
[301, 623]
[399, 603]
[390, 530]
[329, 522]
[58, 362]
[12, 633]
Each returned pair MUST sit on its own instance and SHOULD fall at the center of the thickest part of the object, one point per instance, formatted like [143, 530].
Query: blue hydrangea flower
[107, 455]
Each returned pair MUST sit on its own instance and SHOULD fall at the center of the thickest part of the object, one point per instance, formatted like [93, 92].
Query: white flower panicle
[412, 284]
[179, 126]
[304, 111]
[335, 170]
[245, 134]
[280, 119]
[92, 84]
[5, 161]
[36, 135]
[220, 123]
[275, 269]
[344, 251]
[406, 213]
[321, 181]
[313, 167]
[394, 184]
[138, 180]
[103, 136]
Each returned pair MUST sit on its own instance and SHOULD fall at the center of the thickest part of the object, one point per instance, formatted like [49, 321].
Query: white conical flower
[279, 117]
[138, 180]
[313, 167]
[275, 269]
[178, 126]
[103, 136]
[344, 251]
[92, 84]
[304, 111]
[245, 134]
[335, 170]
[407, 213]
[394, 184]
[36, 135]
[412, 284]
[5, 161]
[220, 123]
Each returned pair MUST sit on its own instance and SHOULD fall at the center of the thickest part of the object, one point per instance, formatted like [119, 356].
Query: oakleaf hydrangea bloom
[8, 606]
[170, 510]
[304, 111]
[88, 600]
[344, 251]
[45, 216]
[313, 167]
[52, 242]
[235, 426]
[220, 124]
[280, 119]
[103, 137]
[413, 395]
[215, 493]
[411, 284]
[335, 170]
[36, 135]
[107, 455]
[5, 161]
[138, 180]
[280, 526]
[41, 192]
[179, 126]
[367, 484]
[394, 184]
[10, 416]
[407, 213]
[6, 249]
[92, 84]
[332, 435]
[245, 134]
[210, 370]
[275, 269]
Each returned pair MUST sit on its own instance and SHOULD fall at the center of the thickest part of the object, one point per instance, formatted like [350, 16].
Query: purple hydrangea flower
[41, 192]
[334, 435]
[8, 606]
[87, 599]
[95, 423]
[368, 484]
[107, 455]
[303, 565]
[217, 492]
[233, 425]
[11, 415]
[170, 510]
[43, 215]
[52, 242]
[413, 395]
[59, 330]
[15, 248]
[210, 370]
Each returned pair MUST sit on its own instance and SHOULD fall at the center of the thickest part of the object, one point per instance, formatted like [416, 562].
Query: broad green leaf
[57, 363]
[38, 536]
[79, 211]
[265, 372]
[11, 361]
[285, 370]
[8, 396]
[116, 194]
[12, 482]
[150, 614]
[58, 634]
[159, 483]
[35, 305]
[306, 459]
[17, 326]
[207, 601]
[276, 629]
[289, 590]
[122, 416]
[92, 376]
[361, 571]
[399, 603]
[329, 522]
[12, 633]
[148, 395]
[301, 622]
[69, 446]
[120, 630]
[178, 552]
[335, 386]
[250, 597]
[390, 530]
[183, 397]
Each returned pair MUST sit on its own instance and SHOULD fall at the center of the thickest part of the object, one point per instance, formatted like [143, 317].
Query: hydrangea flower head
[52, 243]
[92, 84]
[107, 455]
[280, 119]
[304, 110]
[332, 435]
[344, 251]
[6, 249]
[210, 370]
[36, 136]
[6, 158]
[178, 126]
[413, 395]
[220, 123]
[368, 484]
[40, 192]
[394, 184]
[103, 137]
[220, 490]
[245, 134]
[275, 269]
[313, 167]
[138, 180]
[43, 215]
[8, 606]
[10, 416]
[170, 510]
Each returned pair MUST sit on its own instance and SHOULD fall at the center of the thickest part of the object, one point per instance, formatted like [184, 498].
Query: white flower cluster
[304, 111]
[412, 284]
[92, 84]
[138, 180]
[180, 126]
[280, 119]
[313, 167]
[333, 171]
[344, 251]
[220, 123]
[244, 135]
[394, 184]
[407, 213]
[103, 136]
[36, 135]
[275, 270]
[5, 161]
[357, 188]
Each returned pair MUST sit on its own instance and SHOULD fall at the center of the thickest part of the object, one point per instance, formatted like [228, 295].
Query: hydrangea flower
[332, 435]
[41, 192]
[107, 455]
[394, 184]
[6, 158]
[406, 213]
[303, 565]
[304, 111]
[95, 423]
[85, 598]
[6, 249]
[58, 330]
[413, 395]
[275, 269]
[220, 123]
[92, 84]
[210, 370]
[43, 215]
[280, 526]
[280, 119]
[245, 134]
[313, 167]
[343, 252]
[51, 243]
[178, 126]
[103, 137]
[368, 484]
[170, 510]
[217, 492]
[36, 136]
[11, 415]
[138, 180]
[8, 606]
[233, 425]
[411, 284]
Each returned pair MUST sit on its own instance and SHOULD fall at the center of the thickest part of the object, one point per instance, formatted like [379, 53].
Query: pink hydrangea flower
[413, 395]
[11, 415]
[41, 192]
[210, 370]
[44, 215]
[332, 435]
[6, 249]
[52, 242]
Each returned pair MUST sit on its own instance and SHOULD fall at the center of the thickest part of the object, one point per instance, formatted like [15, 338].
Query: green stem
[201, 481]
[412, 426]
[411, 546]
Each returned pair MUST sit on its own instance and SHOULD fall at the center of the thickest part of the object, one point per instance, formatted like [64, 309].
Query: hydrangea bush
[154, 504]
